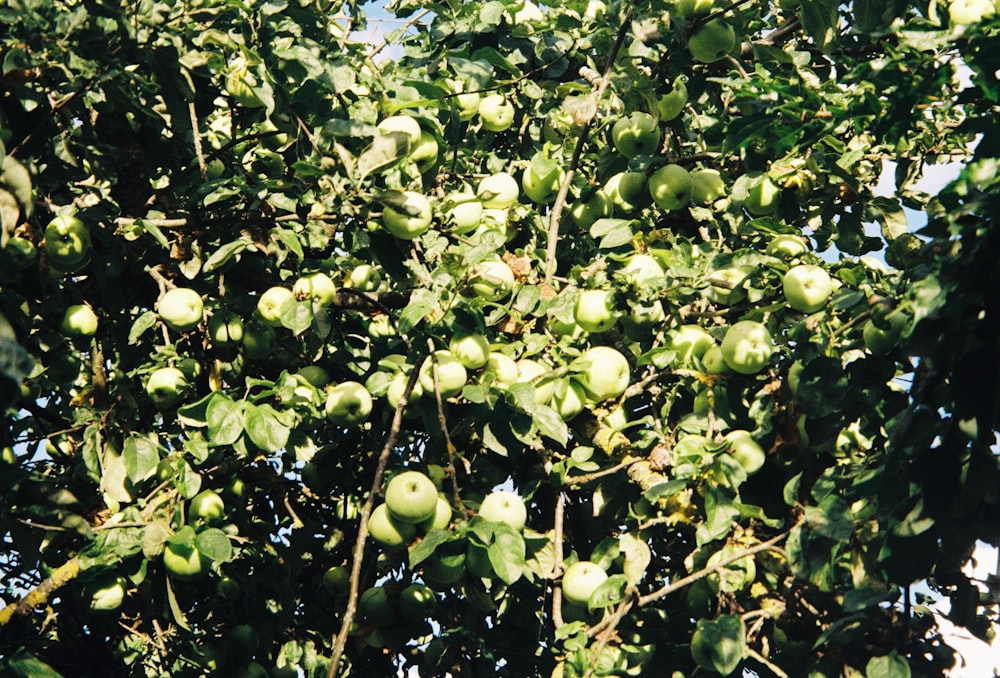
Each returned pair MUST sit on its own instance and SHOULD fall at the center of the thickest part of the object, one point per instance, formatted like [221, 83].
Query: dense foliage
[673, 389]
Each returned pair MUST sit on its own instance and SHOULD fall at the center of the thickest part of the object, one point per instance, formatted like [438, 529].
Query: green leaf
[831, 518]
[637, 557]
[887, 666]
[141, 455]
[175, 608]
[25, 665]
[385, 150]
[720, 644]
[507, 553]
[297, 315]
[264, 428]
[225, 419]
[610, 592]
[549, 423]
[144, 322]
[222, 255]
[819, 19]
[612, 232]
[890, 215]
[426, 546]
[214, 544]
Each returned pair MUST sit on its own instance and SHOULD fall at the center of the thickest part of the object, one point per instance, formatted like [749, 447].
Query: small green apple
[528, 370]
[105, 592]
[316, 287]
[879, 340]
[712, 42]
[364, 277]
[595, 310]
[786, 246]
[412, 220]
[747, 347]
[762, 196]
[642, 270]
[746, 451]
[690, 8]
[502, 506]
[580, 581]
[348, 404]
[496, 112]
[206, 506]
[624, 190]
[184, 562]
[707, 186]
[181, 309]
[604, 372]
[166, 386]
[67, 244]
[807, 287]
[671, 186]
[472, 350]
[451, 374]
[417, 602]
[503, 368]
[272, 303]
[635, 135]
[498, 191]
[542, 179]
[713, 360]
[965, 12]
[336, 580]
[690, 342]
[597, 206]
[79, 320]
[401, 123]
[225, 328]
[569, 399]
[441, 518]
[257, 341]
[672, 103]
[492, 280]
[463, 211]
[726, 287]
[387, 530]
[22, 252]
[411, 497]
[425, 152]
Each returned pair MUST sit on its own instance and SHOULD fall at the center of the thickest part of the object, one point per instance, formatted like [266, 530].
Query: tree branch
[61, 576]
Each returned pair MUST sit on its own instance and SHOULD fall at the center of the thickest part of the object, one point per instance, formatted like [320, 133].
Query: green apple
[444, 570]
[380, 326]
[79, 320]
[388, 531]
[746, 451]
[463, 211]
[184, 562]
[206, 506]
[712, 42]
[642, 270]
[347, 404]
[671, 186]
[314, 375]
[713, 360]
[503, 506]
[672, 103]
[257, 341]
[492, 280]
[597, 206]
[451, 374]
[496, 112]
[690, 8]
[729, 290]
[316, 287]
[472, 350]
[22, 252]
[879, 340]
[807, 287]
[417, 602]
[105, 592]
[411, 497]
[498, 191]
[240, 84]
[166, 386]
[762, 196]
[786, 246]
[401, 123]
[569, 399]
[412, 220]
[375, 606]
[604, 372]
[272, 303]
[690, 342]
[707, 186]
[542, 179]
[181, 309]
[336, 580]
[644, 316]
[528, 370]
[964, 12]
[468, 102]
[394, 393]
[364, 277]
[595, 310]
[424, 152]
[580, 581]
[638, 134]
[225, 328]
[441, 518]
[67, 244]
[735, 576]
[502, 367]
[624, 190]
[747, 347]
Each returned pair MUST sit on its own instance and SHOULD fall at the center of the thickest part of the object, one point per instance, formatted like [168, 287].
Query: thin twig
[196, 135]
[589, 477]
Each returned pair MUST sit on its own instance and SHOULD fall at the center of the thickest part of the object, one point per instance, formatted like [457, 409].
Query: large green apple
[451, 374]
[642, 270]
[375, 606]
[713, 360]
[786, 246]
[206, 506]
[166, 386]
[712, 42]
[671, 187]
[604, 372]
[728, 288]
[388, 531]
[411, 497]
[707, 186]
[225, 328]
[496, 112]
[580, 581]
[503, 368]
[472, 350]
[569, 399]
[463, 211]
[468, 102]
[807, 287]
[347, 404]
[401, 123]
[595, 310]
[881, 340]
[336, 580]
[105, 592]
[747, 347]
[528, 370]
[503, 506]
[425, 152]
[597, 206]
[498, 191]
[364, 277]
[67, 244]
[492, 280]
[762, 196]
[22, 251]
[272, 303]
[624, 190]
[690, 342]
[638, 134]
[184, 562]
[441, 518]
[413, 221]
[316, 287]
[542, 179]
[964, 12]
[181, 309]
[79, 320]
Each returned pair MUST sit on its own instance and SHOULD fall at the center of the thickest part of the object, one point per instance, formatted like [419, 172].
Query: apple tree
[575, 340]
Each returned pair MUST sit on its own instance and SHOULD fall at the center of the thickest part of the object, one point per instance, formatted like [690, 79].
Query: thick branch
[62, 575]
